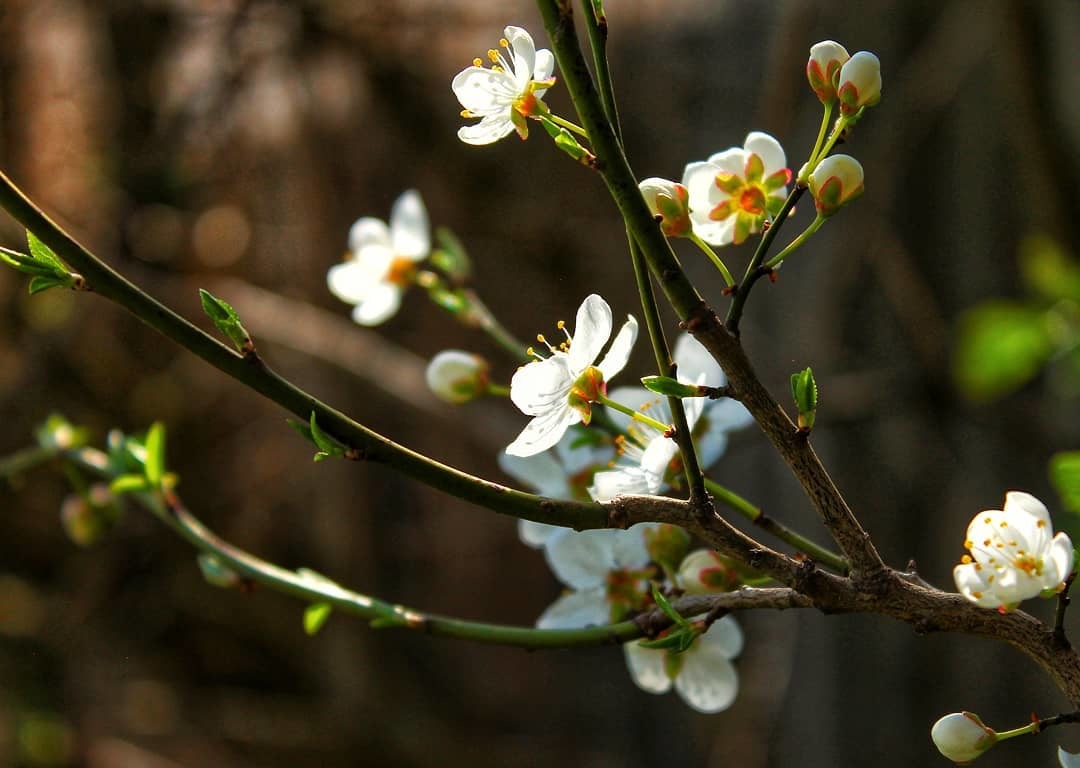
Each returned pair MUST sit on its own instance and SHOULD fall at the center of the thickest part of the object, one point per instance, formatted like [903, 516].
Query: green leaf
[155, 454]
[303, 429]
[315, 615]
[804, 391]
[129, 484]
[1000, 346]
[39, 284]
[43, 253]
[328, 447]
[664, 385]
[227, 321]
[1065, 475]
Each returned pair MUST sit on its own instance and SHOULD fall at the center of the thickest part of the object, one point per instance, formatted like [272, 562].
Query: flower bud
[837, 180]
[822, 69]
[457, 377]
[670, 202]
[961, 737]
[703, 572]
[667, 545]
[860, 83]
[87, 517]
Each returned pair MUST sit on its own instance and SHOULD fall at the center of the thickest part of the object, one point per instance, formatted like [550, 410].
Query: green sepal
[129, 484]
[315, 615]
[450, 257]
[327, 446]
[155, 454]
[566, 141]
[805, 393]
[1065, 475]
[60, 434]
[227, 321]
[665, 385]
[448, 298]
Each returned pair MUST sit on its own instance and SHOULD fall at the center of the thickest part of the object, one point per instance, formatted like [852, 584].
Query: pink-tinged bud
[823, 68]
[961, 737]
[703, 572]
[837, 180]
[670, 202]
[457, 377]
[860, 83]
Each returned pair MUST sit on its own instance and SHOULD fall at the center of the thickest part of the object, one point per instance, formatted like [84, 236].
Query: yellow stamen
[965, 559]
[478, 62]
[494, 56]
[503, 42]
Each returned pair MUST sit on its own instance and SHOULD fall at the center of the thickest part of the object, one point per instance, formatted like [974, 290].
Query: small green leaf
[216, 572]
[303, 429]
[1048, 270]
[664, 385]
[315, 615]
[328, 447]
[39, 284]
[676, 640]
[43, 253]
[227, 321]
[129, 484]
[155, 454]
[804, 391]
[451, 257]
[665, 606]
[1065, 475]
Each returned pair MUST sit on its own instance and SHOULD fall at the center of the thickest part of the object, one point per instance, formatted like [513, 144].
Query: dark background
[229, 145]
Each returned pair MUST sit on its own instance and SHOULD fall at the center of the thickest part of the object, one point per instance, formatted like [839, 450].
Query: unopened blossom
[670, 202]
[860, 83]
[962, 737]
[649, 460]
[703, 675]
[607, 574]
[704, 572]
[508, 92]
[382, 260]
[563, 472]
[456, 376]
[734, 192]
[557, 391]
[837, 180]
[823, 67]
[1014, 554]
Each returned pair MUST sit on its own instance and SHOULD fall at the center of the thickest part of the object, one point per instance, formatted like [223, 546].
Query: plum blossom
[961, 736]
[557, 391]
[823, 67]
[703, 675]
[382, 260]
[860, 83]
[456, 376]
[560, 473]
[837, 180]
[647, 460]
[670, 203]
[735, 191]
[507, 93]
[1013, 556]
[607, 572]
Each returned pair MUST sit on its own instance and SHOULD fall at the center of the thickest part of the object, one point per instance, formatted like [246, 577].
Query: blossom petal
[724, 637]
[608, 484]
[1068, 759]
[658, 455]
[537, 387]
[543, 431]
[716, 232]
[536, 535]
[972, 586]
[731, 161]
[707, 683]
[366, 232]
[410, 233]
[694, 361]
[485, 91]
[1059, 563]
[524, 53]
[592, 329]
[581, 559]
[487, 131]
[541, 473]
[578, 456]
[699, 179]
[619, 352]
[636, 398]
[768, 149]
[574, 610]
[379, 304]
[647, 668]
[628, 547]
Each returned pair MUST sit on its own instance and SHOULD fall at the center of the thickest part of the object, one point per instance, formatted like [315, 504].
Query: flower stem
[564, 123]
[795, 244]
[635, 415]
[24, 460]
[479, 316]
[708, 251]
[811, 164]
[755, 515]
[497, 390]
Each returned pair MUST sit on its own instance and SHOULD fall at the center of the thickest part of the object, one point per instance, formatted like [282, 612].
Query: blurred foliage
[1003, 344]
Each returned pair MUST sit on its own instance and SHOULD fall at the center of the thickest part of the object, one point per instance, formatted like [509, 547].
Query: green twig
[24, 460]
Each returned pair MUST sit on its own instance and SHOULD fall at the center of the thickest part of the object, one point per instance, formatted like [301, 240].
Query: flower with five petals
[506, 94]
[558, 391]
[734, 192]
[1013, 556]
[382, 260]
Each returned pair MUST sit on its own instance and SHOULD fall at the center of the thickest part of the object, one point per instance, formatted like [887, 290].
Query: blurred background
[229, 145]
